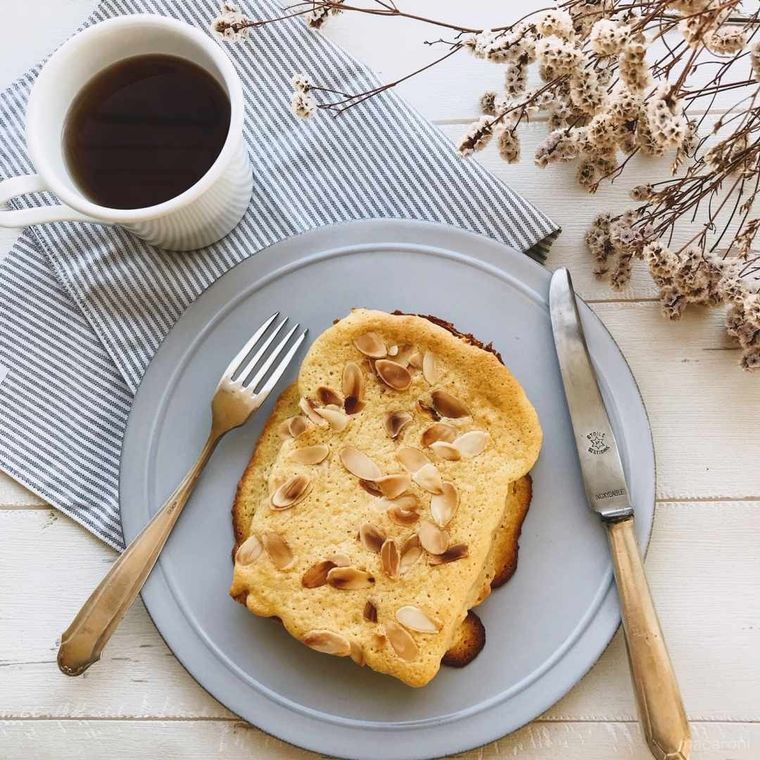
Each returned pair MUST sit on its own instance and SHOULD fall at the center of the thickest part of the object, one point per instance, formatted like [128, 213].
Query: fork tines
[269, 363]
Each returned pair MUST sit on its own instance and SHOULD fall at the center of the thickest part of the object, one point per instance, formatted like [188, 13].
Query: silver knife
[659, 700]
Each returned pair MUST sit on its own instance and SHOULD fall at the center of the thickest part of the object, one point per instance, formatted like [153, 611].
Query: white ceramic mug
[202, 214]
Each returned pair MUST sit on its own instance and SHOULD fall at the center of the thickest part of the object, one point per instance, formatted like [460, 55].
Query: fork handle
[83, 641]
[661, 708]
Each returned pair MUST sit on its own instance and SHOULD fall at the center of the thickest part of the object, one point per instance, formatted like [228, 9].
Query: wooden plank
[701, 406]
[234, 740]
[13, 495]
[703, 566]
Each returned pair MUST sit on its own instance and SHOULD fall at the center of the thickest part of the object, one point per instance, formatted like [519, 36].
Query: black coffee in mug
[144, 130]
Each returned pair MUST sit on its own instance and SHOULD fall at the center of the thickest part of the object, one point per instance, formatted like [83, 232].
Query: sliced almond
[452, 554]
[316, 575]
[291, 492]
[359, 464]
[438, 431]
[443, 506]
[249, 551]
[402, 516]
[401, 640]
[449, 406]
[371, 536]
[336, 417]
[294, 426]
[395, 422]
[308, 407]
[410, 553]
[353, 380]
[431, 370]
[349, 578]
[403, 354]
[403, 510]
[415, 359]
[339, 560]
[328, 642]
[310, 454]
[423, 406]
[393, 350]
[423, 472]
[357, 653]
[416, 620]
[472, 443]
[277, 549]
[371, 344]
[429, 478]
[446, 451]
[327, 396]
[390, 558]
[394, 375]
[394, 485]
[353, 405]
[411, 459]
[370, 611]
[432, 539]
[379, 638]
[370, 487]
[353, 388]
[406, 501]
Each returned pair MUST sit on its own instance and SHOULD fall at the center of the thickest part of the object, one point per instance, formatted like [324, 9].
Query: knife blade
[602, 470]
[663, 717]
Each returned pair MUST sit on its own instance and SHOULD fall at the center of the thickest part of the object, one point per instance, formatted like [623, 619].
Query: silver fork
[237, 396]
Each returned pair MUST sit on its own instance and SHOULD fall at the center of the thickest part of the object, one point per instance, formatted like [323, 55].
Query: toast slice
[414, 617]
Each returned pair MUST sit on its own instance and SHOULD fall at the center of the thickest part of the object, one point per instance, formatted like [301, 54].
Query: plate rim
[392, 231]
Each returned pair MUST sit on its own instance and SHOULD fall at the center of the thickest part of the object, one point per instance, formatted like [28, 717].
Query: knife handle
[659, 699]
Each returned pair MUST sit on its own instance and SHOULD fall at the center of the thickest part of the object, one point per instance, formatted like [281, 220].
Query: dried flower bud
[300, 82]
[642, 192]
[727, 40]
[509, 145]
[488, 103]
[755, 58]
[556, 22]
[557, 57]
[664, 113]
[231, 25]
[477, 136]
[672, 303]
[303, 104]
[624, 104]
[621, 273]
[633, 67]
[515, 78]
[506, 45]
[316, 17]
[559, 145]
[608, 37]
[585, 92]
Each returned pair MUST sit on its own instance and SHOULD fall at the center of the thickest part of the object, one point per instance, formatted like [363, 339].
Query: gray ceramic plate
[545, 628]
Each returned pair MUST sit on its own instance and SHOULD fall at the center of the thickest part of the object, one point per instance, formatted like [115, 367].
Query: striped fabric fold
[96, 302]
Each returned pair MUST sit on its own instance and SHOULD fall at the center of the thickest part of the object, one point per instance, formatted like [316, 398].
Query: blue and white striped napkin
[83, 308]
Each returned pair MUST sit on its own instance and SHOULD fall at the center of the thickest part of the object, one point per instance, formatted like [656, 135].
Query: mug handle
[32, 183]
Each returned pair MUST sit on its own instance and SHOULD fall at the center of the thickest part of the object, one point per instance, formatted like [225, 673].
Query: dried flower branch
[616, 79]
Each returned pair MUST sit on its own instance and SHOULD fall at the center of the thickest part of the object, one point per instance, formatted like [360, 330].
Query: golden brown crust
[466, 337]
[468, 644]
[504, 563]
[264, 453]
[506, 541]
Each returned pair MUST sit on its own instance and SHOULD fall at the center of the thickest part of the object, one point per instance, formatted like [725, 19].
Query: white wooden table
[703, 563]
